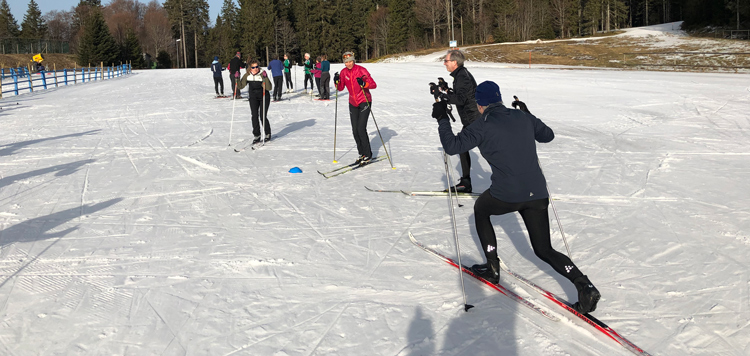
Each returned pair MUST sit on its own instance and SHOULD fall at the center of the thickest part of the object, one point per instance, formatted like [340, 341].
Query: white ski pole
[446, 160]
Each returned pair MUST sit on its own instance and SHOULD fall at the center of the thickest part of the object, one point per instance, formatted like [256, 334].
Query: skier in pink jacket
[358, 82]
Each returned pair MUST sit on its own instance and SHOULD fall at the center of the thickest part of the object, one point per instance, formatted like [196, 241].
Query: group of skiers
[506, 138]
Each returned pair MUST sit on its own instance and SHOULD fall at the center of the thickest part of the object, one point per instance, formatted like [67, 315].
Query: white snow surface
[129, 227]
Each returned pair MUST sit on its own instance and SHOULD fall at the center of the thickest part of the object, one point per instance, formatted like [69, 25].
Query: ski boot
[365, 160]
[256, 139]
[588, 295]
[267, 138]
[463, 186]
[489, 271]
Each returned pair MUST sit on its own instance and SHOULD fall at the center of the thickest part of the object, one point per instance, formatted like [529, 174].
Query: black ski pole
[376, 126]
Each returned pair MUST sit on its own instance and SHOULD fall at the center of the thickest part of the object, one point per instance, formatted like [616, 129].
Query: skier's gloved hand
[517, 104]
[440, 110]
[361, 81]
[237, 74]
[263, 74]
[435, 90]
[336, 78]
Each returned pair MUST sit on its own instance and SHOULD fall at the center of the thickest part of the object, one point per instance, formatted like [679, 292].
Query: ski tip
[467, 307]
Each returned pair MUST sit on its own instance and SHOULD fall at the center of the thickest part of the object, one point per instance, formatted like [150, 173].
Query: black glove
[361, 82]
[517, 104]
[435, 90]
[440, 110]
[336, 78]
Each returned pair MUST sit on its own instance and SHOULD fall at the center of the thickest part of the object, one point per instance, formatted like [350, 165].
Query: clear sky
[19, 7]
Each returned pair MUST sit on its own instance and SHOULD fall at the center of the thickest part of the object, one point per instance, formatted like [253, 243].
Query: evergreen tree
[163, 61]
[257, 18]
[131, 50]
[97, 44]
[8, 24]
[399, 24]
[33, 26]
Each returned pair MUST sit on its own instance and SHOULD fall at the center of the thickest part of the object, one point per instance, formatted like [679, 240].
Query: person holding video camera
[507, 138]
[462, 95]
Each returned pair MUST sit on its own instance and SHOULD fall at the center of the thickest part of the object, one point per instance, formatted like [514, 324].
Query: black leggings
[277, 87]
[255, 109]
[534, 214]
[219, 81]
[308, 76]
[288, 77]
[359, 115]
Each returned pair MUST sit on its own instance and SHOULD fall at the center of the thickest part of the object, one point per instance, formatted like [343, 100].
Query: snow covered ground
[129, 227]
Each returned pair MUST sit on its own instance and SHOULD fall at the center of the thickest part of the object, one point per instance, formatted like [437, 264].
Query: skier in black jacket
[234, 72]
[216, 68]
[462, 95]
[506, 139]
[258, 95]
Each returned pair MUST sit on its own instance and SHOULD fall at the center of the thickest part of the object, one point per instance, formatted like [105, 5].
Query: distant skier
[288, 74]
[316, 73]
[505, 138]
[234, 73]
[217, 68]
[325, 78]
[277, 71]
[356, 79]
[462, 95]
[308, 75]
[258, 86]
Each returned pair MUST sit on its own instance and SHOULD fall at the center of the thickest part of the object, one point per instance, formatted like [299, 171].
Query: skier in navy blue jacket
[506, 139]
[216, 68]
[277, 72]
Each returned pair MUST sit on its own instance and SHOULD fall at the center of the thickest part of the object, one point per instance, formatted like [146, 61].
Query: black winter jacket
[506, 139]
[234, 65]
[464, 88]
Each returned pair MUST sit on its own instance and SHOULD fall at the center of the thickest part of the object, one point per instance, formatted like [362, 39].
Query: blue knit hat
[487, 93]
[216, 58]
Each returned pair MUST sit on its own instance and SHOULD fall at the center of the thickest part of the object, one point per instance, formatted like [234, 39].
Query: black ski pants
[277, 87]
[317, 82]
[255, 100]
[219, 81]
[359, 116]
[536, 219]
[325, 79]
[308, 76]
[288, 77]
[465, 157]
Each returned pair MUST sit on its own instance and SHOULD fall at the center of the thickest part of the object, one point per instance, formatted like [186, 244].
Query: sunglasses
[347, 56]
[448, 60]
[253, 67]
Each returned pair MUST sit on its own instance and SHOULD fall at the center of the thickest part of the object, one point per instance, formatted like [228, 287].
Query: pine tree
[257, 18]
[131, 50]
[163, 61]
[8, 24]
[399, 24]
[97, 44]
[33, 26]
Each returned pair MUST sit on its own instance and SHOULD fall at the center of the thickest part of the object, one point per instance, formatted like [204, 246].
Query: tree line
[181, 33]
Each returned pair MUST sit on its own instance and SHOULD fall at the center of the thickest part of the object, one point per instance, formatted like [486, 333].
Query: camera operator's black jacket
[464, 87]
[506, 139]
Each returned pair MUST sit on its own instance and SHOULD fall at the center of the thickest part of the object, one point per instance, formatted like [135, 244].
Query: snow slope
[129, 227]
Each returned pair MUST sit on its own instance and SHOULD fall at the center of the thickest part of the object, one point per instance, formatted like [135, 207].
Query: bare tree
[378, 23]
[59, 25]
[430, 13]
[285, 36]
[158, 32]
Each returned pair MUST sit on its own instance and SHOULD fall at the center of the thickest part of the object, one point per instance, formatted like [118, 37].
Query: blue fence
[15, 81]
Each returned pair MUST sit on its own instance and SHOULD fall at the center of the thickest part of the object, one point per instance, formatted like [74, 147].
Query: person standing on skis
[462, 95]
[258, 86]
[308, 75]
[506, 139]
[288, 74]
[325, 78]
[277, 72]
[356, 79]
[217, 68]
[234, 73]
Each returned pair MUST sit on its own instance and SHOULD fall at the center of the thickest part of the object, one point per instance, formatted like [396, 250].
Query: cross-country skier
[277, 71]
[217, 68]
[258, 86]
[288, 74]
[308, 75]
[234, 72]
[356, 79]
[325, 78]
[462, 95]
[316, 73]
[505, 138]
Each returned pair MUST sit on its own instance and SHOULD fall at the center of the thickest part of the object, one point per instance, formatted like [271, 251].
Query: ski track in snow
[131, 228]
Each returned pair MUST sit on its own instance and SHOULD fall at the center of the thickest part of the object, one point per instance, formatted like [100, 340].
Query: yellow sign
[38, 58]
